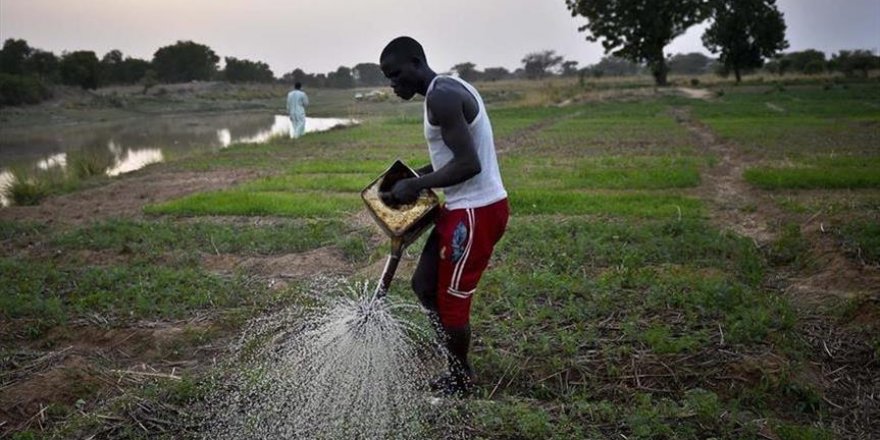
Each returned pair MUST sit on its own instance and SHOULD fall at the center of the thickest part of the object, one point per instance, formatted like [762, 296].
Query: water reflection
[282, 126]
[5, 181]
[126, 146]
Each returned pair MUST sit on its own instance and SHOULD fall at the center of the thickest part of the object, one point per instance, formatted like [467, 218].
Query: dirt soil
[124, 197]
[76, 365]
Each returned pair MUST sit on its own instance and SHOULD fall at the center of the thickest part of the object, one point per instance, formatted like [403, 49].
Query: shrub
[25, 189]
[19, 90]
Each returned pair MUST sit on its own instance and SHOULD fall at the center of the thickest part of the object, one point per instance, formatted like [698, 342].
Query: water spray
[355, 365]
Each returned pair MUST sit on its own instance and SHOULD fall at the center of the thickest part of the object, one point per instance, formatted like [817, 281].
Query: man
[297, 102]
[464, 166]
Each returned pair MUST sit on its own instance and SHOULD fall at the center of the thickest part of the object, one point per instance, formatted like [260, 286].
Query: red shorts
[467, 238]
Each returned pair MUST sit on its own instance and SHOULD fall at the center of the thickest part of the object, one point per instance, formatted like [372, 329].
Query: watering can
[402, 223]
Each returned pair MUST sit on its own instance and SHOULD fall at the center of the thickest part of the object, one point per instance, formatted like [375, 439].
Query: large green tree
[467, 71]
[185, 61]
[13, 56]
[538, 64]
[342, 78]
[81, 68]
[240, 70]
[368, 74]
[745, 32]
[693, 63]
[638, 30]
[851, 61]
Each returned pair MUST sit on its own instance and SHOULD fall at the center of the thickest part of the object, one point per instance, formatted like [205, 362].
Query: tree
[614, 66]
[537, 64]
[806, 60]
[112, 69]
[13, 56]
[135, 69]
[368, 75]
[43, 64]
[185, 61]
[849, 62]
[745, 32]
[638, 30]
[149, 80]
[693, 63]
[80, 68]
[341, 78]
[569, 68]
[466, 71]
[495, 73]
[247, 71]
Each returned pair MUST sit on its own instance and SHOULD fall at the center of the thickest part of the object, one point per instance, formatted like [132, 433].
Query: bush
[19, 90]
[26, 189]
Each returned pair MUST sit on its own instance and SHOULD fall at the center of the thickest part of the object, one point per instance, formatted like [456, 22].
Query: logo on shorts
[459, 239]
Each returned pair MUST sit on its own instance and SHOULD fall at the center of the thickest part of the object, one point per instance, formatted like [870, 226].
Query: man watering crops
[297, 102]
[464, 165]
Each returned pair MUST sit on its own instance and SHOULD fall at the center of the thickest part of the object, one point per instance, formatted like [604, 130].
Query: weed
[26, 188]
[790, 248]
[862, 239]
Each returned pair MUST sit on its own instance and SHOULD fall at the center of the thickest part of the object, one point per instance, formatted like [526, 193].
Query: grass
[603, 172]
[26, 188]
[13, 230]
[613, 306]
[44, 291]
[813, 121]
[144, 238]
[616, 128]
[276, 203]
[29, 187]
[825, 173]
[536, 201]
[862, 239]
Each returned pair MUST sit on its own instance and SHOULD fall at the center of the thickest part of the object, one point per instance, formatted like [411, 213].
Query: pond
[122, 147]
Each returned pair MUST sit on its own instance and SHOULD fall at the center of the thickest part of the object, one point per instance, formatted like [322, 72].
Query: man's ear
[417, 62]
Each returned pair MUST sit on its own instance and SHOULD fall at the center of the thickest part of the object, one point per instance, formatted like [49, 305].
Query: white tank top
[486, 187]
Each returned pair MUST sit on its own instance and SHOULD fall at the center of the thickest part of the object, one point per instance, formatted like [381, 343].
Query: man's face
[402, 74]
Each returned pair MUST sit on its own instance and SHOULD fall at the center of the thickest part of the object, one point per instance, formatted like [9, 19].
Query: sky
[321, 35]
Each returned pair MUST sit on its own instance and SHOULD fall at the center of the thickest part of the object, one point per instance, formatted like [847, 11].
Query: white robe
[297, 102]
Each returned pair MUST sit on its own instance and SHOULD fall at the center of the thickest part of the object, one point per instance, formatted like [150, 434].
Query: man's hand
[406, 191]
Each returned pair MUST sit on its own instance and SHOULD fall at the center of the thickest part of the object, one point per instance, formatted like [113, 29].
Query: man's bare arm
[446, 108]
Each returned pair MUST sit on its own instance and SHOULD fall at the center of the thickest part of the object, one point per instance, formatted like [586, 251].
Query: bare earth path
[842, 365]
[125, 197]
[735, 205]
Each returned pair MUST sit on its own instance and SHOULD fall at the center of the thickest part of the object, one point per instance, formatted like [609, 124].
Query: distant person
[297, 103]
[463, 164]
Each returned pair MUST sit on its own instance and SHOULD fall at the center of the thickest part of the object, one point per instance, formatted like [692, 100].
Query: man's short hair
[404, 47]
[297, 85]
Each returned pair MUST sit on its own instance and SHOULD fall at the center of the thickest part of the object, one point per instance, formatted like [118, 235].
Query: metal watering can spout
[402, 223]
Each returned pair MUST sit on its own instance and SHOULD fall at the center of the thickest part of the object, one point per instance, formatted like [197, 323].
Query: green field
[626, 299]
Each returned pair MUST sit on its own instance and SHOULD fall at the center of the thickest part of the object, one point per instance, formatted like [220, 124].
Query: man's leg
[424, 280]
[300, 125]
[466, 245]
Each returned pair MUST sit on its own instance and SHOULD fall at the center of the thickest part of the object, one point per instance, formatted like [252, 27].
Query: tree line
[26, 73]
[744, 33]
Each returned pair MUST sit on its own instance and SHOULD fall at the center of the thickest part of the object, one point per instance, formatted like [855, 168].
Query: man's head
[297, 85]
[403, 62]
